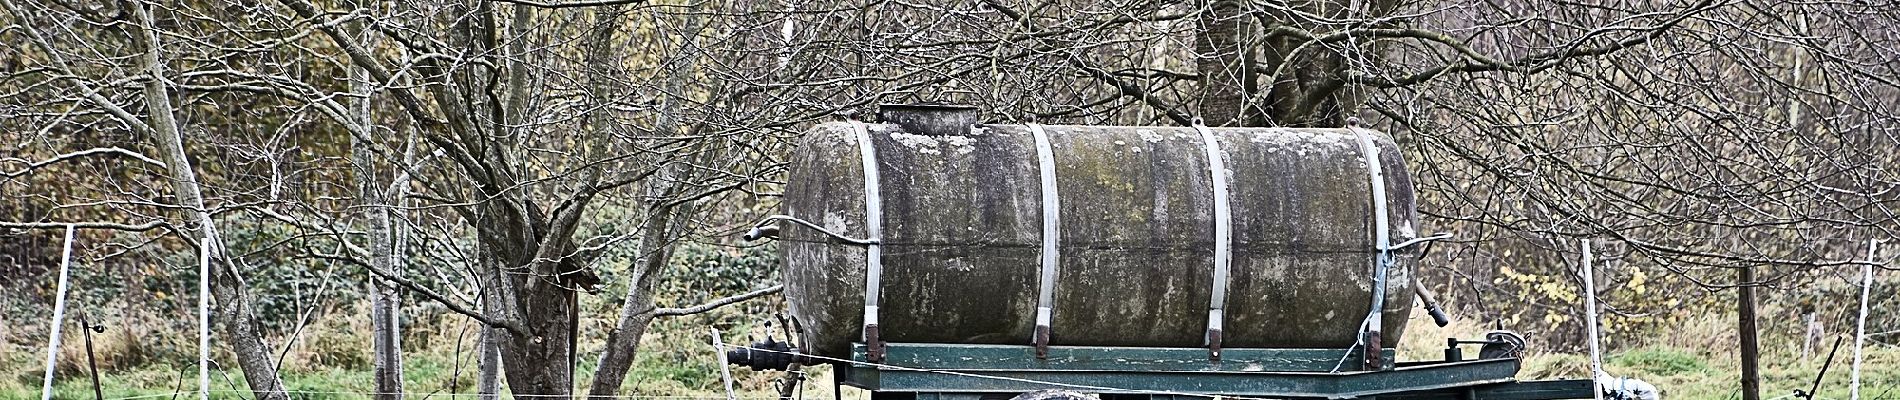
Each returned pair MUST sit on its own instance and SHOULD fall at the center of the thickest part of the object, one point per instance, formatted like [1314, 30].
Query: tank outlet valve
[766, 355]
[761, 232]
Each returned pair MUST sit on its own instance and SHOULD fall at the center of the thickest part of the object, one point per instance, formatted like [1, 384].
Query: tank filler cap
[930, 119]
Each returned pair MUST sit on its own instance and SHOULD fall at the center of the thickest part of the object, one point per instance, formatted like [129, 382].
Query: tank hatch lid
[930, 119]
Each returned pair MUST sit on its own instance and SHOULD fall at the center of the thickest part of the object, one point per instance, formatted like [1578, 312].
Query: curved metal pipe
[762, 229]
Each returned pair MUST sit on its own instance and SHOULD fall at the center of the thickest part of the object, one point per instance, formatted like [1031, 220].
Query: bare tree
[384, 216]
[1705, 138]
[162, 125]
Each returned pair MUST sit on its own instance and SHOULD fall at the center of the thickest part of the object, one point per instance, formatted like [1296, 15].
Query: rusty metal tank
[1136, 227]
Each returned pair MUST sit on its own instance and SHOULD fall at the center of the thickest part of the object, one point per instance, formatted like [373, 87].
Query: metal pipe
[1420, 240]
[763, 229]
[1431, 302]
[1425, 294]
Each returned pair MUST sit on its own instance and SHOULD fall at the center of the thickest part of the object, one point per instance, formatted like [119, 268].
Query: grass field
[1695, 361]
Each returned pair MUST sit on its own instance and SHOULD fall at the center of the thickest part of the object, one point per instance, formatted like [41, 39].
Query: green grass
[1694, 360]
[676, 361]
[1659, 361]
[425, 375]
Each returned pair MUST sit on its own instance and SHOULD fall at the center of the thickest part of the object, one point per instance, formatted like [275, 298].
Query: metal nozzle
[761, 232]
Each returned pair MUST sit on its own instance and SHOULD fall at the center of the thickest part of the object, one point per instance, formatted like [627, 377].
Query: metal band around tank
[1051, 232]
[874, 232]
[1375, 172]
[1223, 252]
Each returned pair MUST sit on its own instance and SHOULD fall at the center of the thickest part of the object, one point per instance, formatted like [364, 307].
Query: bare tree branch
[31, 165]
[715, 304]
[86, 225]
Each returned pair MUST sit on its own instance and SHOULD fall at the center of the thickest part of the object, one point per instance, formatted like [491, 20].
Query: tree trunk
[1222, 62]
[380, 216]
[534, 285]
[662, 228]
[385, 317]
[253, 355]
[539, 361]
[537, 364]
[1293, 81]
[488, 375]
[623, 343]
[385, 299]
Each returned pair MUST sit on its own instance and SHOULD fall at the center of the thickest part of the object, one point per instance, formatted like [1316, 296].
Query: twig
[31, 165]
[84, 225]
[355, 252]
[709, 306]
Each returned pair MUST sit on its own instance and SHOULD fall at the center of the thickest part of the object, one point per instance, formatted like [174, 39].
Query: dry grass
[121, 346]
[337, 340]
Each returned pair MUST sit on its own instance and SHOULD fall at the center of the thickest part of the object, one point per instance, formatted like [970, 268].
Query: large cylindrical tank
[962, 217]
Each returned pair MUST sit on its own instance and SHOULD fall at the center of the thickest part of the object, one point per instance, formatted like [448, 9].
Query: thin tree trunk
[662, 228]
[385, 301]
[623, 343]
[385, 317]
[253, 355]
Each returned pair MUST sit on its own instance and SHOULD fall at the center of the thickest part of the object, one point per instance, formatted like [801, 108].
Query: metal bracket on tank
[1213, 344]
[873, 345]
[1223, 248]
[874, 232]
[1051, 232]
[1375, 320]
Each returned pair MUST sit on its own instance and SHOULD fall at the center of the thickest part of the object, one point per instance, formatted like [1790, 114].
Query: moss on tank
[962, 217]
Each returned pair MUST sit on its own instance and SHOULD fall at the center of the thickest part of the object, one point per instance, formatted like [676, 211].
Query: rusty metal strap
[1051, 233]
[873, 232]
[1223, 226]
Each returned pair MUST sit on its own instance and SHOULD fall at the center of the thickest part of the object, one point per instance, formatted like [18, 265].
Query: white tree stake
[1590, 315]
[725, 371]
[1860, 325]
[59, 315]
[204, 319]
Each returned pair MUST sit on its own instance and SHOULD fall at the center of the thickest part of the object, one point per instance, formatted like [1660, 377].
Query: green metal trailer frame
[928, 371]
